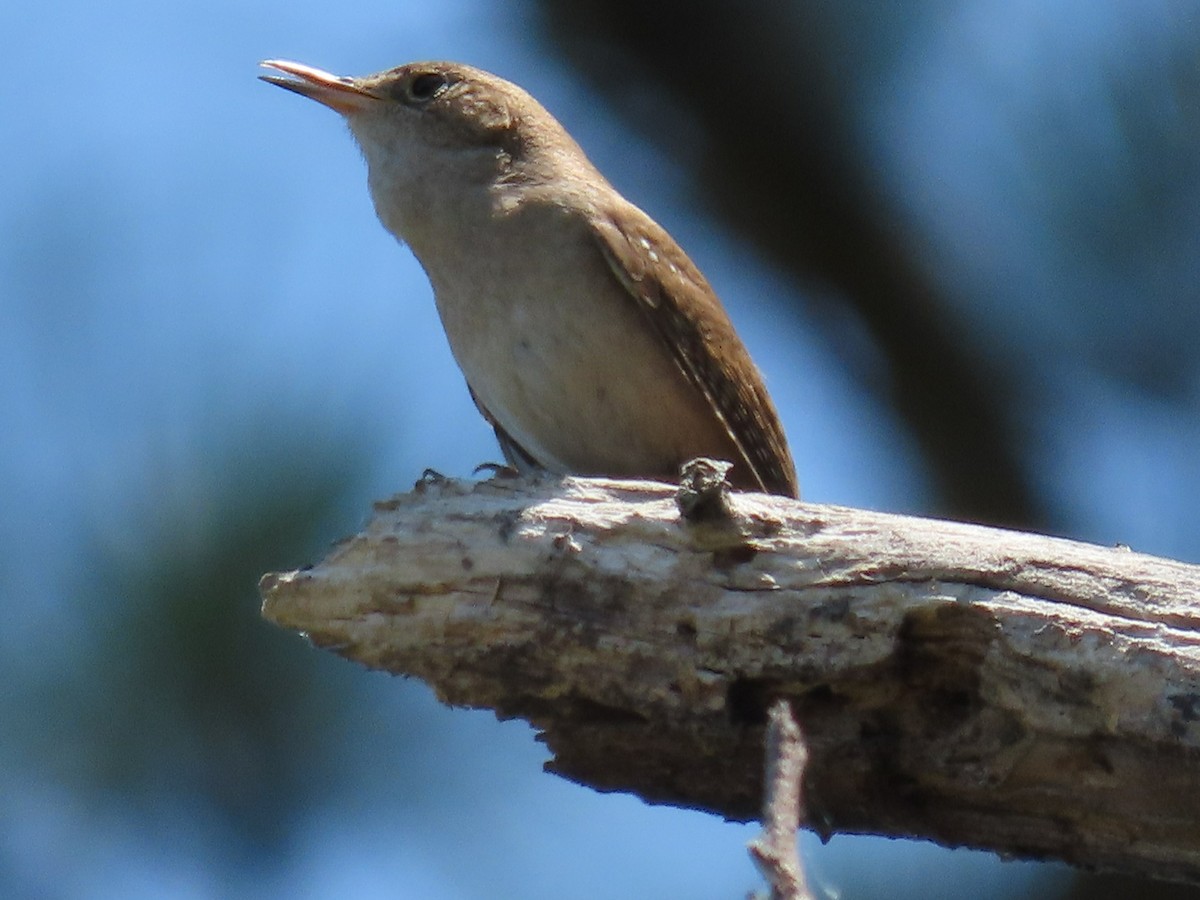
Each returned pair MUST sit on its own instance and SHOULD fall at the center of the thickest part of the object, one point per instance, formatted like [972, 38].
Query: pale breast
[561, 356]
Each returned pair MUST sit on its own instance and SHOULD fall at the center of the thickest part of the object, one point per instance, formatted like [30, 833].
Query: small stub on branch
[705, 505]
[703, 495]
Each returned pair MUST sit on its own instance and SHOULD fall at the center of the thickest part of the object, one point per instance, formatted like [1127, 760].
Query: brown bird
[588, 339]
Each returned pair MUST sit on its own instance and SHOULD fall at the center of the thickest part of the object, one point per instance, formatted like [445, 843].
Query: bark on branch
[1030, 695]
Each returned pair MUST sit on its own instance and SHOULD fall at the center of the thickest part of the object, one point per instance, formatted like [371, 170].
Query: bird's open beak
[343, 95]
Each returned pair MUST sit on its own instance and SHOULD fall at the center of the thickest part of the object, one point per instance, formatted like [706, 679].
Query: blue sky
[194, 290]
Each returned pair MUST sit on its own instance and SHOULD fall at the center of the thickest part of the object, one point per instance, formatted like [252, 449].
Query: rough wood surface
[1030, 695]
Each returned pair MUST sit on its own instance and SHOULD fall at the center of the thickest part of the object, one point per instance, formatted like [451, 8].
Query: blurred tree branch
[769, 82]
[1025, 694]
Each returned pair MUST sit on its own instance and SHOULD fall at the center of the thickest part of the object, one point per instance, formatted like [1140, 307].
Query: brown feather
[685, 312]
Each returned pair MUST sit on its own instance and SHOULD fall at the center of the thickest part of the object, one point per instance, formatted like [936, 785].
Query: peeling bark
[977, 687]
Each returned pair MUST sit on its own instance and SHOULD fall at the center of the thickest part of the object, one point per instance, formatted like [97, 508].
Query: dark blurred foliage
[769, 87]
[776, 91]
[177, 687]
[772, 92]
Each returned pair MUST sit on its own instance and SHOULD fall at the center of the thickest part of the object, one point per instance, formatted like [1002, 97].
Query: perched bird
[588, 339]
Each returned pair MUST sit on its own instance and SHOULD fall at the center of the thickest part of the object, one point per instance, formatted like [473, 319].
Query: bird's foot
[497, 470]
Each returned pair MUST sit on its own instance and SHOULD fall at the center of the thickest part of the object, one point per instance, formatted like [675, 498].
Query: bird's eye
[426, 86]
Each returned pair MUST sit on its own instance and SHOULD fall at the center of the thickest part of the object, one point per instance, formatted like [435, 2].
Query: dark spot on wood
[943, 648]
[781, 631]
[818, 694]
[506, 523]
[747, 700]
[1187, 705]
[1101, 760]
[728, 557]
[585, 709]
[835, 609]
[1188, 708]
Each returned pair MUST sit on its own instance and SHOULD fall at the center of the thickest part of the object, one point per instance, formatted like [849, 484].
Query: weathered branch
[1031, 695]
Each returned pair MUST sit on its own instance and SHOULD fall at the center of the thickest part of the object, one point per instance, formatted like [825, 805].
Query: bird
[589, 340]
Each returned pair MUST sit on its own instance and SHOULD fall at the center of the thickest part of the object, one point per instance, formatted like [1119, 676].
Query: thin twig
[774, 851]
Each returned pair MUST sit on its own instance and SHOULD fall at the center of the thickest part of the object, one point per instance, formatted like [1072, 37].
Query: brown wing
[678, 301]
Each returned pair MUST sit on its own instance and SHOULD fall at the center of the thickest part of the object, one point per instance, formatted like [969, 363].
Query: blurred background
[959, 236]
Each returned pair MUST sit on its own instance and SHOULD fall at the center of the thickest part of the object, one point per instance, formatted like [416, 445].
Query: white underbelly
[577, 376]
